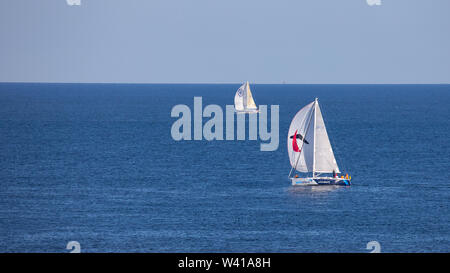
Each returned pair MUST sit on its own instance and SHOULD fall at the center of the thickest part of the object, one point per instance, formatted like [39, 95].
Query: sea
[97, 164]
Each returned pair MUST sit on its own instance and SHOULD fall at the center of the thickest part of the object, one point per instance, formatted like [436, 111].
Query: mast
[314, 146]
[245, 95]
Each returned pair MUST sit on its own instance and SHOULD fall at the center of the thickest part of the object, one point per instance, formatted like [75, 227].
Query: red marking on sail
[294, 143]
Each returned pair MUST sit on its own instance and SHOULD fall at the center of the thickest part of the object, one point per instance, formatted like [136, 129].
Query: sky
[225, 41]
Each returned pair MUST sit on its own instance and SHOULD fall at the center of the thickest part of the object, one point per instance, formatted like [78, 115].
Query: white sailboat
[310, 150]
[243, 100]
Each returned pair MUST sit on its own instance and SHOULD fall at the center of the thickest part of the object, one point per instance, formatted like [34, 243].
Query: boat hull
[320, 181]
[247, 111]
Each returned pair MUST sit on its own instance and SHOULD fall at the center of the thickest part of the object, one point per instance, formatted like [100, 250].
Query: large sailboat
[243, 100]
[310, 150]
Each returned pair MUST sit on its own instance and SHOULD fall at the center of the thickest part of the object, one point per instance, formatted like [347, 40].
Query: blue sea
[96, 164]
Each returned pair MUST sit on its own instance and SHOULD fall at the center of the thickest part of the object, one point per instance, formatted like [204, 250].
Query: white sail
[309, 147]
[243, 100]
[324, 161]
[239, 98]
[301, 153]
[250, 102]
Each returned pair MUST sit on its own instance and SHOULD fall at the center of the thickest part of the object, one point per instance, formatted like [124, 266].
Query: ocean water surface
[96, 163]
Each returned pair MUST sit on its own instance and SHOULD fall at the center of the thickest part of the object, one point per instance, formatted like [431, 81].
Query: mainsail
[309, 147]
[243, 100]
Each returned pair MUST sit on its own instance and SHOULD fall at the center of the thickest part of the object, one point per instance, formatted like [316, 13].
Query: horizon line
[261, 83]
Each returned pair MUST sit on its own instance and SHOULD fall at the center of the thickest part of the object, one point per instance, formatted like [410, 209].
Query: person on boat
[334, 173]
[346, 176]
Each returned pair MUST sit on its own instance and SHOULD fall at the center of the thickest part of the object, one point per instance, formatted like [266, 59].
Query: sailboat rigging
[310, 150]
[243, 100]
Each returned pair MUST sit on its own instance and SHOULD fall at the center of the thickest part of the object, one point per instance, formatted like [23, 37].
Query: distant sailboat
[243, 100]
[310, 150]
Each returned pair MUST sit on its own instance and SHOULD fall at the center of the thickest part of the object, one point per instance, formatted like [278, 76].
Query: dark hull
[337, 182]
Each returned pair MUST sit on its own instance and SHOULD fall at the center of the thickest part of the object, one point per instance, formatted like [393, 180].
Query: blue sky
[209, 41]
